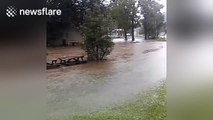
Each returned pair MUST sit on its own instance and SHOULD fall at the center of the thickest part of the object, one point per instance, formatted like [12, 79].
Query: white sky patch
[164, 3]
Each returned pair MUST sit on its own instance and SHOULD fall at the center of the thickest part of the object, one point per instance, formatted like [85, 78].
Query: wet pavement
[130, 69]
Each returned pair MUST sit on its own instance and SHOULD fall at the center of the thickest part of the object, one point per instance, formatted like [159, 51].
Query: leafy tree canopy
[95, 30]
[153, 19]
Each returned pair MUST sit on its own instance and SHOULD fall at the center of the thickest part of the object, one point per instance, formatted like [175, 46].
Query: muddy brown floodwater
[130, 69]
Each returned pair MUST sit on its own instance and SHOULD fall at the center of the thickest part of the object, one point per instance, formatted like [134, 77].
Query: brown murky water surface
[130, 69]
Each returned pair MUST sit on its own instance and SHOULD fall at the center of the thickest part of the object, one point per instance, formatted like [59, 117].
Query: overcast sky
[164, 2]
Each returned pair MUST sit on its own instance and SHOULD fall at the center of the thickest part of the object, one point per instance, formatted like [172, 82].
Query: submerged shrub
[95, 29]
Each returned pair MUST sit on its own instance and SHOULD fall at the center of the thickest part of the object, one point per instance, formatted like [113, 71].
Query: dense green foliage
[95, 29]
[120, 15]
[153, 19]
[124, 12]
[93, 19]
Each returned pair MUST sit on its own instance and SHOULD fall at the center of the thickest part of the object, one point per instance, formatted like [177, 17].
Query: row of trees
[130, 14]
[95, 18]
[153, 19]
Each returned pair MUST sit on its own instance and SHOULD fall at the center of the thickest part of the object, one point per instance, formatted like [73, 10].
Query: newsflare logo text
[12, 11]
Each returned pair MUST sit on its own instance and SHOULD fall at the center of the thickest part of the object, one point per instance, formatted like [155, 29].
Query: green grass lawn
[147, 106]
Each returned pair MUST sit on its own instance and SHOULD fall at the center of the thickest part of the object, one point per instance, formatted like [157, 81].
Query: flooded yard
[128, 70]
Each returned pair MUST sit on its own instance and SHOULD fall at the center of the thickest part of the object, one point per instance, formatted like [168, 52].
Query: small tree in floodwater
[95, 29]
[98, 48]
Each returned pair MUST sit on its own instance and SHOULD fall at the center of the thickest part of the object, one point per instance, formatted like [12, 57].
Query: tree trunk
[145, 35]
[125, 35]
[133, 34]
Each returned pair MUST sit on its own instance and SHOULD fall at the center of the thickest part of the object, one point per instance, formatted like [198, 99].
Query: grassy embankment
[149, 106]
